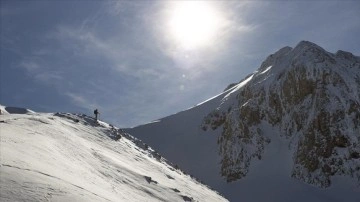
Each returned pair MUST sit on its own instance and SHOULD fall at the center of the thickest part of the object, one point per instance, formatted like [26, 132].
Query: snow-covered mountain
[70, 157]
[288, 132]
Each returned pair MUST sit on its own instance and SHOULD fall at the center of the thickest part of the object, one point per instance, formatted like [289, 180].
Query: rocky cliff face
[310, 97]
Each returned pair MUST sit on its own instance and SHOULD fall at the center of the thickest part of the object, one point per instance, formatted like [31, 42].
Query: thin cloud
[30, 66]
[49, 77]
[81, 101]
[118, 57]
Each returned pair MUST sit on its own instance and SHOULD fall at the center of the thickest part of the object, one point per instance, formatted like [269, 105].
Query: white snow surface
[267, 69]
[67, 157]
[3, 110]
[239, 86]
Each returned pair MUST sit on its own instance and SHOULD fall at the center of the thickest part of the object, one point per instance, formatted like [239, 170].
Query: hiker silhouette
[96, 112]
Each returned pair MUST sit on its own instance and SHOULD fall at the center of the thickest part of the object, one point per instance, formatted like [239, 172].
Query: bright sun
[193, 24]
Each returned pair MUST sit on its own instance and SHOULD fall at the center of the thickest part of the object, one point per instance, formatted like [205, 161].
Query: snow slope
[68, 157]
[287, 132]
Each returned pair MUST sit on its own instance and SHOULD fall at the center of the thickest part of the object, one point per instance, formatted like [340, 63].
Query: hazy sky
[137, 61]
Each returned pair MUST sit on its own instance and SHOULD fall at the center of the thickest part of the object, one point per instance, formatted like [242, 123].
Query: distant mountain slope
[294, 122]
[14, 110]
[67, 157]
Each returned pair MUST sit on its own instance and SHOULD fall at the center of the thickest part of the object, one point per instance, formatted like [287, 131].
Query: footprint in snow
[186, 198]
[170, 177]
[149, 180]
[176, 190]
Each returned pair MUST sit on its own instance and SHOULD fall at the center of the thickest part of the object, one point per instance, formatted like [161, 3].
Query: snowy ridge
[288, 132]
[70, 157]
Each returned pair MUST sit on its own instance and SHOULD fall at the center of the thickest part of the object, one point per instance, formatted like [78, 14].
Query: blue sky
[123, 57]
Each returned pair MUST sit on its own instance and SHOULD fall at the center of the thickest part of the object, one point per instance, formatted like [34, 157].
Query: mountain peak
[307, 44]
[344, 54]
[271, 59]
[305, 52]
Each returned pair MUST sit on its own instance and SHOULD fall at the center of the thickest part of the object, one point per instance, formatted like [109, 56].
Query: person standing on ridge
[96, 112]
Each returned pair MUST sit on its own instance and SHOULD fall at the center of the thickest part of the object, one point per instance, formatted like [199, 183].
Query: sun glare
[193, 24]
